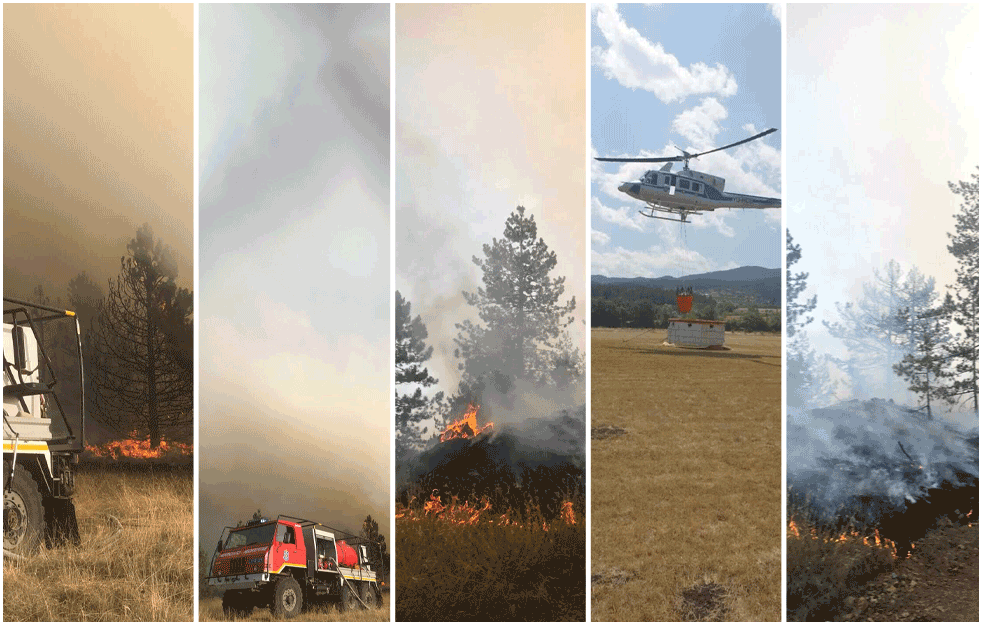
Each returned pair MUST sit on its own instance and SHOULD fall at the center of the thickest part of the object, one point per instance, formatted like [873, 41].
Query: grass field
[210, 609]
[142, 573]
[685, 479]
[464, 564]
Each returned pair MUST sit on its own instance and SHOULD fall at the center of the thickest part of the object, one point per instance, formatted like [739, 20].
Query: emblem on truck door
[286, 555]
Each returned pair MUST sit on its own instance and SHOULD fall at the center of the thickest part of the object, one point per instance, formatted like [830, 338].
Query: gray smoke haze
[853, 449]
[98, 122]
[866, 183]
[489, 116]
[295, 294]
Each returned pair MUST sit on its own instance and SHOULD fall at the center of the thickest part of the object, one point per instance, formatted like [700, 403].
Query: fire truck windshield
[255, 535]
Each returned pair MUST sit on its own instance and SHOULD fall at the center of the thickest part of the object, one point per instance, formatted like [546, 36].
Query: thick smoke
[869, 461]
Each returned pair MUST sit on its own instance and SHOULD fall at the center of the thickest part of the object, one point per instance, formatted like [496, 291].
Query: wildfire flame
[853, 535]
[567, 513]
[134, 447]
[465, 427]
[456, 513]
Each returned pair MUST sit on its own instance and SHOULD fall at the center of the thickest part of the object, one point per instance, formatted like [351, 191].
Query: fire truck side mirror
[218, 547]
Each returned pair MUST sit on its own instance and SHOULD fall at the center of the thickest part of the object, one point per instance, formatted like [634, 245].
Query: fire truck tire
[23, 516]
[235, 603]
[349, 600]
[288, 598]
[375, 596]
[365, 594]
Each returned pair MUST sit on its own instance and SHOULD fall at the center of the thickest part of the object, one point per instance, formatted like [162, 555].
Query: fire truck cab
[287, 562]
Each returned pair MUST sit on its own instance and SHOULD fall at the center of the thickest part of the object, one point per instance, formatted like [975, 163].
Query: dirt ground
[685, 478]
[939, 582]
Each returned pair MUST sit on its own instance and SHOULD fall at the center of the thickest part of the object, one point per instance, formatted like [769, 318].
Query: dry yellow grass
[688, 502]
[211, 610]
[142, 573]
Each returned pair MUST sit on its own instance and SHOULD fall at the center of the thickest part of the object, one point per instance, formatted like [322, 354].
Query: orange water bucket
[684, 303]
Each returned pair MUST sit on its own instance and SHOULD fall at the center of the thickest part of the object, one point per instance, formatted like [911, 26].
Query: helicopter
[688, 192]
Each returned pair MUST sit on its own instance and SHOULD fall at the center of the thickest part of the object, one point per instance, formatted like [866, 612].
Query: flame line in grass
[134, 447]
[845, 537]
[467, 514]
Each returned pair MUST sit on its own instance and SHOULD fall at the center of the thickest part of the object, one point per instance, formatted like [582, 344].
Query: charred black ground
[538, 464]
[904, 473]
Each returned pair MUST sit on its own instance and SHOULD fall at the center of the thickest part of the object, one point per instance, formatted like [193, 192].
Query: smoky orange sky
[98, 123]
[490, 114]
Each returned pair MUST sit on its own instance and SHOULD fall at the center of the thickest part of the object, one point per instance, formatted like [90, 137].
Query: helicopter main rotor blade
[757, 136]
[686, 155]
[658, 159]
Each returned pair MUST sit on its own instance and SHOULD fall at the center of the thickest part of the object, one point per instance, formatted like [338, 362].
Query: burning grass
[829, 567]
[138, 448]
[692, 497]
[210, 609]
[145, 572]
[826, 566]
[458, 561]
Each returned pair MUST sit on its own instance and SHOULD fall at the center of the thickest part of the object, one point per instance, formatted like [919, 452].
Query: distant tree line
[628, 306]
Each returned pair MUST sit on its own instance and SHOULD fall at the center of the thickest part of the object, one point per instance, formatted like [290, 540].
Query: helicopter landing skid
[654, 208]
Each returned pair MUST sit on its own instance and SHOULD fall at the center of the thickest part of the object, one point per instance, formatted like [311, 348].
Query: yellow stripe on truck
[286, 564]
[26, 446]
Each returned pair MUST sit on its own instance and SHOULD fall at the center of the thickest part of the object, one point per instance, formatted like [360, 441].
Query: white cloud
[699, 124]
[653, 262]
[777, 10]
[625, 217]
[637, 63]
[599, 238]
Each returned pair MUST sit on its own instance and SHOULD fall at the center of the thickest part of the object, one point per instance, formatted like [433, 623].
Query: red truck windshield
[255, 535]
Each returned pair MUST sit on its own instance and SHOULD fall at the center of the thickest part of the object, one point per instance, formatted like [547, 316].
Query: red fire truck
[286, 562]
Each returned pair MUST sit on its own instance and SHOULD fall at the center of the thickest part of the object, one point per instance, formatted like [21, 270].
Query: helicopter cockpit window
[696, 187]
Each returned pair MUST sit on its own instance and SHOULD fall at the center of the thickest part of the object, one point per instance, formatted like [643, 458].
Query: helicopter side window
[696, 187]
[684, 184]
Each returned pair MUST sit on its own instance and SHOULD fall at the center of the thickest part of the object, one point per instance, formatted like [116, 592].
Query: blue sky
[697, 76]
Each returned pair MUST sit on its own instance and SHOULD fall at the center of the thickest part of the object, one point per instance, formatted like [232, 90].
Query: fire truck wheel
[23, 517]
[375, 597]
[349, 600]
[288, 598]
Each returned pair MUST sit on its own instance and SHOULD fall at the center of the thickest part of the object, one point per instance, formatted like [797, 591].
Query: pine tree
[869, 327]
[922, 368]
[963, 307]
[795, 285]
[524, 319]
[140, 383]
[378, 552]
[411, 352]
[807, 374]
